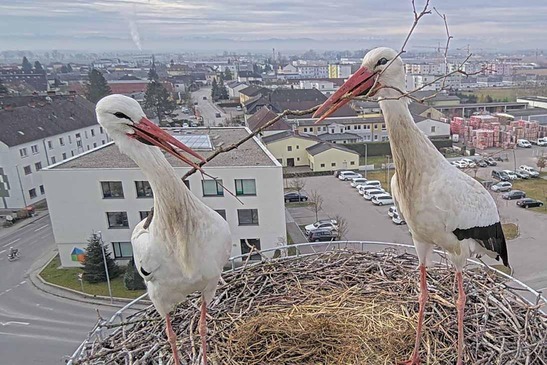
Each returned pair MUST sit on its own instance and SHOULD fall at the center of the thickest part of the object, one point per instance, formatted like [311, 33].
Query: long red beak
[149, 133]
[357, 84]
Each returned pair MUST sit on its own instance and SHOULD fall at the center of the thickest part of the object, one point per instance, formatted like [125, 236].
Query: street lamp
[105, 266]
[366, 159]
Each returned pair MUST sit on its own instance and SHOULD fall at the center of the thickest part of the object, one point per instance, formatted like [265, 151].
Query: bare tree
[298, 184]
[316, 203]
[342, 226]
[541, 163]
[475, 170]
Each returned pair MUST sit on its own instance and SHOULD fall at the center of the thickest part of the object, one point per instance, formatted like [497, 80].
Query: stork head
[380, 74]
[125, 122]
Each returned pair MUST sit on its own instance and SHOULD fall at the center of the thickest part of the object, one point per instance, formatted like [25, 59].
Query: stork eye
[121, 115]
[382, 61]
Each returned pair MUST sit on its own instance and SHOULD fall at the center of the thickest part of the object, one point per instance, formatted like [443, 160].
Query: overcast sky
[167, 24]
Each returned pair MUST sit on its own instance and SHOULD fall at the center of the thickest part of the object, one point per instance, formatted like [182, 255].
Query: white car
[530, 170]
[382, 199]
[524, 143]
[542, 142]
[325, 223]
[470, 163]
[369, 194]
[397, 219]
[349, 175]
[358, 181]
[391, 211]
[362, 188]
[375, 183]
[461, 164]
[511, 174]
[502, 186]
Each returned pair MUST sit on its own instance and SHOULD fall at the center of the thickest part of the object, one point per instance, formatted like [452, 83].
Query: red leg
[172, 338]
[415, 359]
[203, 329]
[460, 305]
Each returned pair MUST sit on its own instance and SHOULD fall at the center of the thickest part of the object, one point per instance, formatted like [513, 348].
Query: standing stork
[186, 245]
[442, 205]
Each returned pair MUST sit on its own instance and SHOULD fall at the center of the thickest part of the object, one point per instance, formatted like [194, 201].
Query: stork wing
[147, 262]
[470, 211]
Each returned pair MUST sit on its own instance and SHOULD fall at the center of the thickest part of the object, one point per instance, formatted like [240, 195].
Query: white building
[37, 131]
[103, 190]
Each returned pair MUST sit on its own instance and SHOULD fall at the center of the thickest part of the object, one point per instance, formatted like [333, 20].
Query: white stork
[442, 205]
[184, 248]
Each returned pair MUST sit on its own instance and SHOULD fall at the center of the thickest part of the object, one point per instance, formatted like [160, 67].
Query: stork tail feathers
[490, 237]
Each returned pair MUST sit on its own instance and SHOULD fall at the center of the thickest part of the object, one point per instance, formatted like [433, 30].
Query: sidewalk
[293, 230]
[40, 214]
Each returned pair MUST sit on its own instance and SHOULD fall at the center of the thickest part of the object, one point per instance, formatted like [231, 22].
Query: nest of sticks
[338, 307]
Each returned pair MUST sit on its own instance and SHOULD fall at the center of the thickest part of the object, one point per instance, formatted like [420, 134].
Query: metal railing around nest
[103, 328]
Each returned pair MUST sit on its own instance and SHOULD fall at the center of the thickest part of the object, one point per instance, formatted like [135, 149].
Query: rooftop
[249, 153]
[324, 146]
[337, 136]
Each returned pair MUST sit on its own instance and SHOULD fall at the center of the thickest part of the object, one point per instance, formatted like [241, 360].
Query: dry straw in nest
[338, 307]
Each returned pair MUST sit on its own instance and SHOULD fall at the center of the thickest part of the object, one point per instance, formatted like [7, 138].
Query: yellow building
[289, 148]
[328, 157]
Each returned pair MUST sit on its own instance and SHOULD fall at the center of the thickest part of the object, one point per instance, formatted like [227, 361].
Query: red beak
[149, 133]
[357, 84]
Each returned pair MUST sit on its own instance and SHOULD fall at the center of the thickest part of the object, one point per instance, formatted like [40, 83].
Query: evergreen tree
[26, 65]
[69, 68]
[63, 69]
[214, 90]
[94, 271]
[3, 88]
[132, 279]
[156, 97]
[38, 68]
[97, 87]
[222, 90]
[228, 74]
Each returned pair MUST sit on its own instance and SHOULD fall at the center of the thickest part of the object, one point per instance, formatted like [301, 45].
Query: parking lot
[365, 221]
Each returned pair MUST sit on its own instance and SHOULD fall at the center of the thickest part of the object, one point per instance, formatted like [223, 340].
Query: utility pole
[105, 266]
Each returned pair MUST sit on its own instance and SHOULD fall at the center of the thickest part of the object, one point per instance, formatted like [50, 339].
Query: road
[208, 109]
[36, 327]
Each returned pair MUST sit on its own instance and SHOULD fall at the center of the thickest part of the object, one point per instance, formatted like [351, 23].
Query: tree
[297, 184]
[342, 226]
[222, 90]
[94, 271]
[3, 88]
[214, 90]
[132, 279]
[69, 68]
[26, 65]
[97, 87]
[156, 97]
[316, 203]
[38, 68]
[541, 163]
[228, 74]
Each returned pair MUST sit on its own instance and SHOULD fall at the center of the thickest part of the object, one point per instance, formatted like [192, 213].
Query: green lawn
[68, 278]
[376, 160]
[535, 189]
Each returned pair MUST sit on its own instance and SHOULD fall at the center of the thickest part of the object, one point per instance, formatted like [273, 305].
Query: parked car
[369, 194]
[521, 174]
[529, 203]
[217, 115]
[524, 143]
[470, 163]
[511, 174]
[323, 234]
[355, 182]
[397, 219]
[392, 210]
[238, 108]
[348, 175]
[514, 194]
[382, 199]
[461, 164]
[362, 188]
[491, 162]
[376, 183]
[326, 223]
[502, 186]
[533, 172]
[500, 175]
[482, 163]
[295, 197]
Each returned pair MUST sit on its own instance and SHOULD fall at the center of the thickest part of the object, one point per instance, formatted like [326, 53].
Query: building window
[72, 153]
[384, 127]
[122, 250]
[103, 141]
[64, 155]
[92, 132]
[245, 187]
[333, 164]
[253, 242]
[94, 144]
[305, 130]
[187, 183]
[247, 217]
[433, 129]
[70, 139]
[32, 193]
[88, 147]
[322, 165]
[61, 141]
[144, 214]
[112, 189]
[38, 166]
[34, 149]
[42, 190]
[297, 147]
[50, 145]
[27, 170]
[221, 212]
[212, 188]
[117, 220]
[23, 152]
[53, 160]
[352, 163]
[376, 126]
[144, 190]
[101, 130]
[78, 140]
[289, 148]
[85, 134]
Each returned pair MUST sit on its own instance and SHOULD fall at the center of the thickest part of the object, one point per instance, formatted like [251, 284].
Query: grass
[511, 230]
[376, 160]
[298, 204]
[535, 189]
[68, 278]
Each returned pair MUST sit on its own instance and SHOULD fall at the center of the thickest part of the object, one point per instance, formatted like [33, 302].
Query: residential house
[234, 87]
[249, 77]
[289, 148]
[328, 157]
[341, 138]
[263, 116]
[434, 129]
[35, 81]
[104, 190]
[37, 131]
[251, 92]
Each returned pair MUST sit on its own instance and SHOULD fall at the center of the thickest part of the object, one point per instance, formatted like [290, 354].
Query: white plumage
[442, 205]
[186, 245]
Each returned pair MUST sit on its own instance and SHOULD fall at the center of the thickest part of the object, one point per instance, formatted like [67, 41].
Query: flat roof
[250, 153]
